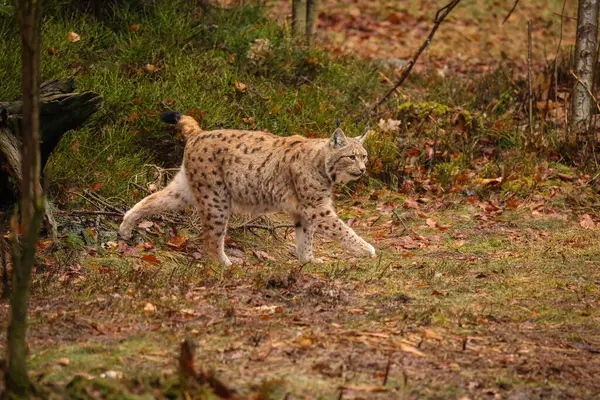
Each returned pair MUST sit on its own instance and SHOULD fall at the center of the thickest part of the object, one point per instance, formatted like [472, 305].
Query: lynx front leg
[330, 225]
[305, 231]
[174, 197]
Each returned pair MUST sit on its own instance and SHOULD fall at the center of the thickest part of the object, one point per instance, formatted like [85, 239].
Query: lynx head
[347, 157]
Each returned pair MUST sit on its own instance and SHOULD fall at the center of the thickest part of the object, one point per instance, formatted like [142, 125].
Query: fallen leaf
[489, 181]
[356, 311]
[112, 374]
[410, 203]
[75, 146]
[135, 28]
[73, 37]
[91, 232]
[431, 334]
[430, 223]
[177, 242]
[368, 388]
[565, 177]
[149, 308]
[263, 256]
[44, 245]
[239, 86]
[151, 68]
[64, 361]
[97, 186]
[151, 259]
[587, 222]
[411, 349]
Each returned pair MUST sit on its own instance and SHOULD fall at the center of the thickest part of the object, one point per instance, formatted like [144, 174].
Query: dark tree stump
[60, 111]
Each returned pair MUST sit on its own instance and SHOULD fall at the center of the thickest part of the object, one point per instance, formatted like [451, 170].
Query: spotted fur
[235, 171]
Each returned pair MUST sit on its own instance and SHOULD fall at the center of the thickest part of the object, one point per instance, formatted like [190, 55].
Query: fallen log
[61, 109]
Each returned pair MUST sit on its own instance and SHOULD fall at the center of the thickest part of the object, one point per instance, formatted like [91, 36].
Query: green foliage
[182, 56]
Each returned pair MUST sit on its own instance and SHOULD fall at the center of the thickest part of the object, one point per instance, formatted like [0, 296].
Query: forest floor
[465, 299]
[486, 284]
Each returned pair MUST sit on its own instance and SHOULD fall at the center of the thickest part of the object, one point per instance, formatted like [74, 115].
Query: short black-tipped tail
[170, 117]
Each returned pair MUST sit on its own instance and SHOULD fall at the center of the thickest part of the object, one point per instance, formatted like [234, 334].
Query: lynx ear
[362, 137]
[338, 139]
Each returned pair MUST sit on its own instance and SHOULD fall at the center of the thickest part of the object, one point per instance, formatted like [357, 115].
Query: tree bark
[29, 17]
[60, 111]
[312, 16]
[585, 55]
[299, 17]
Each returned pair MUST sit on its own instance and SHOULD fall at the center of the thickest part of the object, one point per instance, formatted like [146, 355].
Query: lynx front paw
[365, 250]
[371, 250]
[126, 232]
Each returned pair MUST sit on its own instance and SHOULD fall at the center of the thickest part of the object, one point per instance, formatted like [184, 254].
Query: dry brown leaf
[64, 361]
[240, 86]
[151, 259]
[263, 256]
[97, 186]
[430, 223]
[411, 349]
[587, 222]
[177, 242]
[431, 334]
[149, 308]
[73, 37]
[368, 388]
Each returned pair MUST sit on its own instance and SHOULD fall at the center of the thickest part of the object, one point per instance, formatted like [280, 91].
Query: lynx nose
[362, 170]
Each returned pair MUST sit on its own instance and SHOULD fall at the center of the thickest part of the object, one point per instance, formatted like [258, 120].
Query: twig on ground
[387, 369]
[400, 219]
[91, 212]
[102, 201]
[514, 7]
[440, 15]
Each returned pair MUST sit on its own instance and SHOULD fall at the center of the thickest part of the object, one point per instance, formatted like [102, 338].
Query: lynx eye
[352, 157]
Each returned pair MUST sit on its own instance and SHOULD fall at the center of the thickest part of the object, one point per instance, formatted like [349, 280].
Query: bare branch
[510, 12]
[440, 15]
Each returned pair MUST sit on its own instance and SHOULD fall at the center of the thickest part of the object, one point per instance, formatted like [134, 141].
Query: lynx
[251, 172]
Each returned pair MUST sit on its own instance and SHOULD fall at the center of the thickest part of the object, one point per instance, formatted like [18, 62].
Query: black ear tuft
[170, 117]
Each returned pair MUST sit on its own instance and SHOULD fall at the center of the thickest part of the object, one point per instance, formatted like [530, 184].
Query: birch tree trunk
[299, 17]
[585, 56]
[312, 15]
[31, 210]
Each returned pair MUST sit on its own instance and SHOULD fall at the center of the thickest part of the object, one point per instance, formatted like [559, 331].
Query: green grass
[200, 55]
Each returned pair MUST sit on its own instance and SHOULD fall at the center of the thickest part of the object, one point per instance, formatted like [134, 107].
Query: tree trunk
[60, 111]
[312, 16]
[29, 17]
[299, 17]
[585, 56]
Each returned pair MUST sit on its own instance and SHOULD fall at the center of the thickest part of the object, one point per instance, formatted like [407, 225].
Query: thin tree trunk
[29, 17]
[585, 54]
[312, 16]
[299, 17]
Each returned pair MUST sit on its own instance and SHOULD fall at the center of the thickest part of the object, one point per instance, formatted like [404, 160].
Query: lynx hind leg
[176, 196]
[214, 206]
